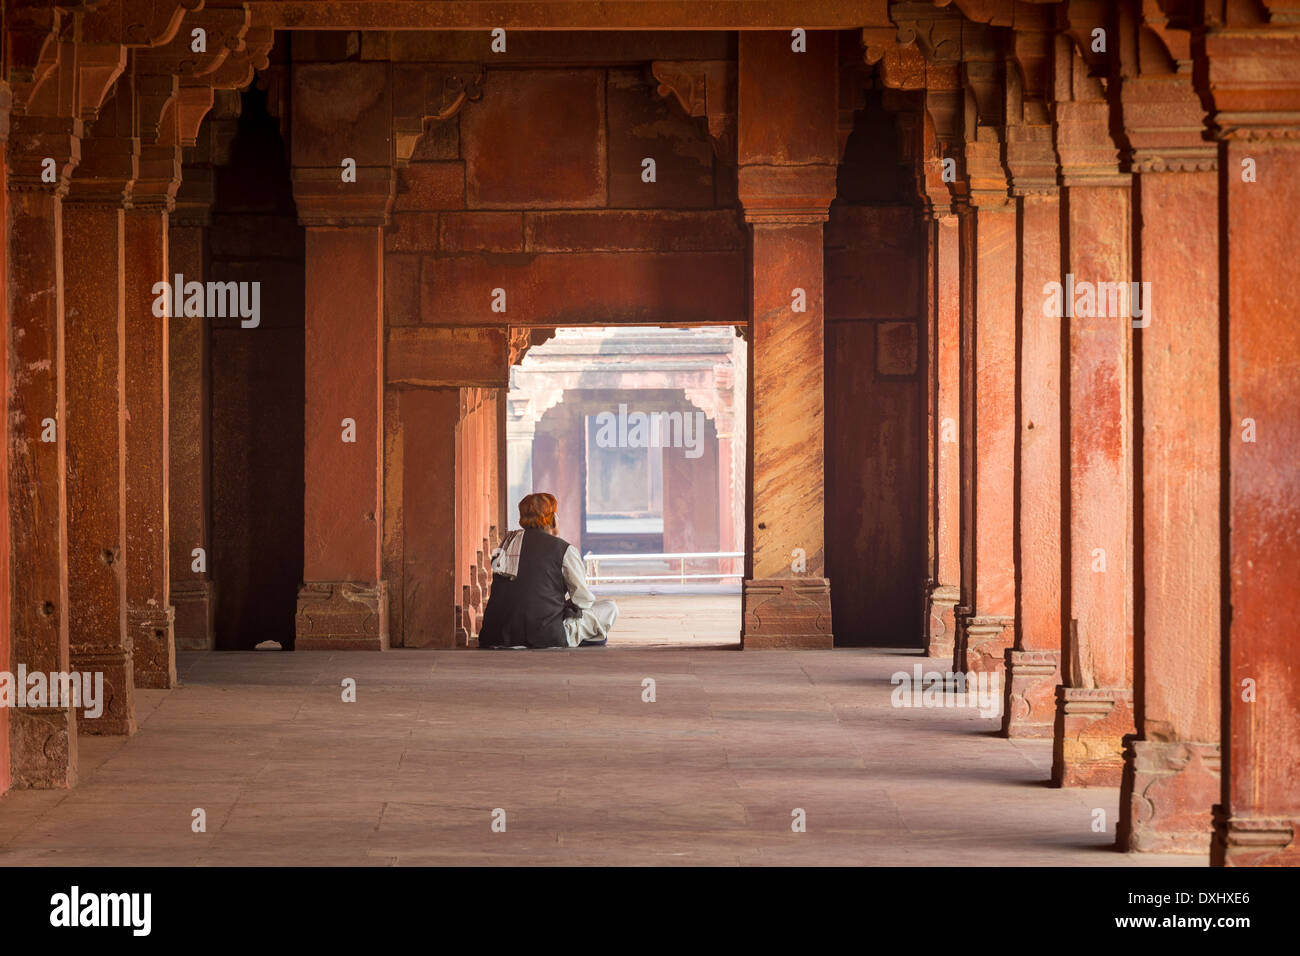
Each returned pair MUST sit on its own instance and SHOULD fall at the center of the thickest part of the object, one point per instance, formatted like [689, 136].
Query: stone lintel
[342, 616]
[433, 356]
[786, 613]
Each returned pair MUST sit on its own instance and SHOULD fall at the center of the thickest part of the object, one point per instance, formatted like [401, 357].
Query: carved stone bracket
[426, 93]
[706, 89]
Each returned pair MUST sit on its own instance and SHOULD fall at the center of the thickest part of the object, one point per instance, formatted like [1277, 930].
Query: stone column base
[786, 613]
[42, 748]
[117, 708]
[1091, 723]
[193, 606]
[1254, 841]
[941, 620]
[1168, 791]
[341, 616]
[983, 643]
[1032, 678]
[153, 647]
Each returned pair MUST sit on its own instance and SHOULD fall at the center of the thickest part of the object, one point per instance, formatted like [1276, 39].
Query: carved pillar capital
[786, 194]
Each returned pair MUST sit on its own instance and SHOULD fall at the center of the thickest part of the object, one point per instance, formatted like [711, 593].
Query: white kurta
[597, 616]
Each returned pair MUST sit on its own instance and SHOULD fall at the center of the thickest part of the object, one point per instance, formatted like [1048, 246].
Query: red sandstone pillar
[1034, 662]
[1095, 700]
[1258, 822]
[94, 262]
[1172, 765]
[945, 358]
[985, 625]
[189, 415]
[43, 741]
[344, 602]
[148, 569]
[343, 111]
[787, 152]
[5, 100]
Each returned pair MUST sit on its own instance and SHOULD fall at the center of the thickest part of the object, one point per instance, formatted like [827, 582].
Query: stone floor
[561, 740]
[677, 620]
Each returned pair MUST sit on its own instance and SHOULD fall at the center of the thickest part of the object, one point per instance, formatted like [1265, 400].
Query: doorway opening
[640, 433]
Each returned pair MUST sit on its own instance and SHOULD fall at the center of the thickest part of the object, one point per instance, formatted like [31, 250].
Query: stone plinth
[341, 616]
[786, 613]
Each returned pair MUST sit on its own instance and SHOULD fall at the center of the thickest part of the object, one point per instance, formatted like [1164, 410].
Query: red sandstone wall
[875, 439]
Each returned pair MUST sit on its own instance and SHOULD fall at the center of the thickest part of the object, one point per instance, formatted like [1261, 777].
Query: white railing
[681, 557]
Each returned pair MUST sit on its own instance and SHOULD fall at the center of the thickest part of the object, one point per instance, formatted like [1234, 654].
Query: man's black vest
[530, 609]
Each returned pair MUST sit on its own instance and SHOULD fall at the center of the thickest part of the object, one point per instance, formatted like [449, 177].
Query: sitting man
[532, 572]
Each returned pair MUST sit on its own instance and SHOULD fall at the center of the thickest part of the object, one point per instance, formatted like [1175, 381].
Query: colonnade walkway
[586, 770]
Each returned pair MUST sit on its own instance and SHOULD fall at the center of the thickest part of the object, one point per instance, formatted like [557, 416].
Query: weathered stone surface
[990, 574]
[643, 125]
[627, 231]
[1038, 516]
[536, 141]
[148, 558]
[1098, 649]
[189, 442]
[1032, 677]
[426, 187]
[341, 616]
[439, 357]
[43, 748]
[344, 384]
[1169, 790]
[786, 613]
[577, 288]
[43, 752]
[1088, 746]
[481, 232]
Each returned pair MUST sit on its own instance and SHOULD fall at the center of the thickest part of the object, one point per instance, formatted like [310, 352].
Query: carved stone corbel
[428, 93]
[706, 89]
